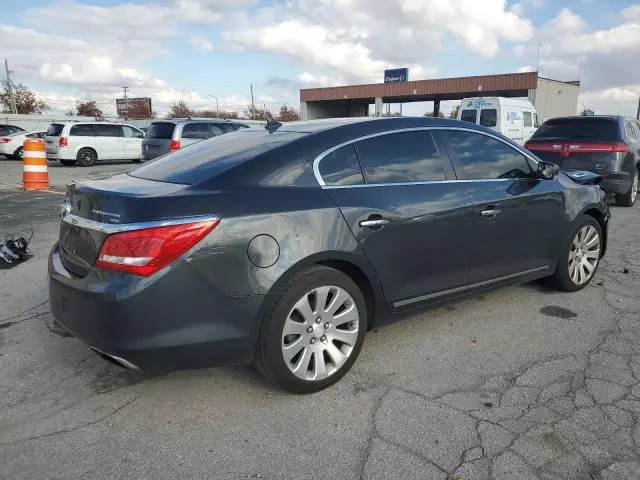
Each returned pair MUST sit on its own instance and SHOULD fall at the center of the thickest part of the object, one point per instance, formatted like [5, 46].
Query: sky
[194, 50]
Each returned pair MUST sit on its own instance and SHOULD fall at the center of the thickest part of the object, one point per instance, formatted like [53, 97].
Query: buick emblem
[65, 208]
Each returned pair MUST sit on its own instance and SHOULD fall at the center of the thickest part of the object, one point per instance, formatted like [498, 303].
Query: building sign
[134, 107]
[396, 75]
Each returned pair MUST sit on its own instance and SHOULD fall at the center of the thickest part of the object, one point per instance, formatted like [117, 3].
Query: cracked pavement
[517, 383]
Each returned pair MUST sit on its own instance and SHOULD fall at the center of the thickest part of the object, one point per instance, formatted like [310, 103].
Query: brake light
[174, 145]
[144, 252]
[5, 140]
[63, 142]
[575, 147]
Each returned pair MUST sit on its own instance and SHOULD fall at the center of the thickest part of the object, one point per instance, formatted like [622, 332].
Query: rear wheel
[86, 157]
[580, 258]
[68, 163]
[629, 198]
[313, 332]
[17, 155]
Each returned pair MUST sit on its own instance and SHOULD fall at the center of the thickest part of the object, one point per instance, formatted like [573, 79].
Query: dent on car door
[410, 222]
[518, 217]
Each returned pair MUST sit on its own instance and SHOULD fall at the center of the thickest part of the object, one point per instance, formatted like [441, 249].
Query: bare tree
[227, 115]
[179, 110]
[89, 109]
[26, 101]
[454, 112]
[255, 113]
[288, 114]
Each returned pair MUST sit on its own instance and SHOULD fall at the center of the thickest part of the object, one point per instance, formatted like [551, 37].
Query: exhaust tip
[121, 362]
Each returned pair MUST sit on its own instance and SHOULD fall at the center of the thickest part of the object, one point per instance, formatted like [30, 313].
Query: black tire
[86, 157]
[68, 163]
[17, 155]
[629, 199]
[269, 356]
[561, 279]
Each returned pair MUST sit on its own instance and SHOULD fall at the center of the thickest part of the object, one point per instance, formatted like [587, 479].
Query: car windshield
[161, 130]
[207, 158]
[596, 129]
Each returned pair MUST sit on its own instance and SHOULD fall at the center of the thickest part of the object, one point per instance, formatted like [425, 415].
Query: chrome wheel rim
[86, 157]
[320, 333]
[634, 187]
[584, 255]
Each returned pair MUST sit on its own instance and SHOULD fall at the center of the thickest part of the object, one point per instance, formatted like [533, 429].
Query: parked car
[515, 118]
[606, 145]
[86, 143]
[208, 256]
[9, 129]
[11, 145]
[166, 136]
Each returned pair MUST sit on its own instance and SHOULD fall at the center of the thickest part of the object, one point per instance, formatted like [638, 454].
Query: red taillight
[144, 252]
[577, 147]
[5, 140]
[174, 145]
[63, 142]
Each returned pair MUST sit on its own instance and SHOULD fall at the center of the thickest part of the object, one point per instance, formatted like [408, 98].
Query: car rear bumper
[617, 183]
[173, 320]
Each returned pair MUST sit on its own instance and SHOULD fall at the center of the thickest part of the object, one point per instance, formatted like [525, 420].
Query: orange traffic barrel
[34, 166]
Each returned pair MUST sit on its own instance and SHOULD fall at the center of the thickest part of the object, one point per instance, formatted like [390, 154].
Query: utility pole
[126, 104]
[638, 114]
[253, 106]
[538, 60]
[12, 99]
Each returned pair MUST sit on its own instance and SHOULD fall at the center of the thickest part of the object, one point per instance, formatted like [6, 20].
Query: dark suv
[285, 246]
[606, 145]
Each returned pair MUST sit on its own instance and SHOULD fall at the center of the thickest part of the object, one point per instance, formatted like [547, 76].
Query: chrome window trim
[318, 159]
[110, 228]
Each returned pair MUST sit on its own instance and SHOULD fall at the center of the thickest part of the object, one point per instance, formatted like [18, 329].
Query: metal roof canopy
[505, 85]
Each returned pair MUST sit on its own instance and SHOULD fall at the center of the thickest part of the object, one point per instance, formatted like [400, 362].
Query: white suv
[89, 142]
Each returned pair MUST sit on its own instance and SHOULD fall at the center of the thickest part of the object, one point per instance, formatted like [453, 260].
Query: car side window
[82, 131]
[214, 129]
[469, 116]
[489, 117]
[130, 132]
[400, 158]
[485, 158]
[629, 130]
[109, 131]
[195, 130]
[528, 121]
[225, 127]
[341, 167]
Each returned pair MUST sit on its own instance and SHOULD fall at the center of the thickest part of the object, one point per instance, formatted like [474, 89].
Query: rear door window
[485, 158]
[160, 130]
[469, 116]
[109, 131]
[55, 129]
[401, 158]
[196, 130]
[82, 131]
[527, 119]
[225, 127]
[489, 117]
[579, 128]
[341, 167]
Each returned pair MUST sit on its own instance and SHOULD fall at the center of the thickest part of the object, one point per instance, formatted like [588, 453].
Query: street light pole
[217, 105]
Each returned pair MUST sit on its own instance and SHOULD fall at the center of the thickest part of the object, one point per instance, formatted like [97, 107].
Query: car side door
[110, 141]
[398, 194]
[132, 142]
[518, 217]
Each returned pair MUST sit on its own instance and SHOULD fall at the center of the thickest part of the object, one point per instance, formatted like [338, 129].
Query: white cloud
[201, 43]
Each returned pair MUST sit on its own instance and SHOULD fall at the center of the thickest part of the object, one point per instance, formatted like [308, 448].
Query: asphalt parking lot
[518, 383]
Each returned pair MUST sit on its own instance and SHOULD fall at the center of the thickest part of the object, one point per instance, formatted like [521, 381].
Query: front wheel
[629, 198]
[313, 332]
[580, 257]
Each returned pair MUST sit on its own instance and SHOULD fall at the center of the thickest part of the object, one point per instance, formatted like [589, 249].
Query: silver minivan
[164, 136]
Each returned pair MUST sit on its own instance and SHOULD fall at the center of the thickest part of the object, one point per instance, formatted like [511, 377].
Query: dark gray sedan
[284, 246]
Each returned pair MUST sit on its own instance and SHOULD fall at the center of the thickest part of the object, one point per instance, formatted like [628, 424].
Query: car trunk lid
[157, 139]
[53, 137]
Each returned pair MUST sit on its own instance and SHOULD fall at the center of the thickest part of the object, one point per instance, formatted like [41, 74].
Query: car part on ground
[222, 253]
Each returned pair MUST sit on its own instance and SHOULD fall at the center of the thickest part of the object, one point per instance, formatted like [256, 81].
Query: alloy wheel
[584, 254]
[320, 333]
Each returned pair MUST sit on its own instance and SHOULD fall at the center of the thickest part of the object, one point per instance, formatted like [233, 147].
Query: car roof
[383, 123]
[186, 120]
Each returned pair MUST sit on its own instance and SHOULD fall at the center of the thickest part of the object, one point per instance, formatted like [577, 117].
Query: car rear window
[204, 160]
[588, 128]
[55, 129]
[160, 130]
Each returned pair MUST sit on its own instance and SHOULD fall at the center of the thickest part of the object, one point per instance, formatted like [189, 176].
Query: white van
[85, 143]
[513, 117]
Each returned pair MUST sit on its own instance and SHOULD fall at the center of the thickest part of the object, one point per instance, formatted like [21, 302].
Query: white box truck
[513, 117]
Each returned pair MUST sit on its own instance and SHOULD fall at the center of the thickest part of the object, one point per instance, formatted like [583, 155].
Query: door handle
[490, 212]
[372, 223]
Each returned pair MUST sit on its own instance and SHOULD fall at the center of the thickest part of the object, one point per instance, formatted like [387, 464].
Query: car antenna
[272, 124]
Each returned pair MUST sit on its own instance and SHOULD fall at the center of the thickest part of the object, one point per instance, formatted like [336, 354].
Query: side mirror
[547, 171]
